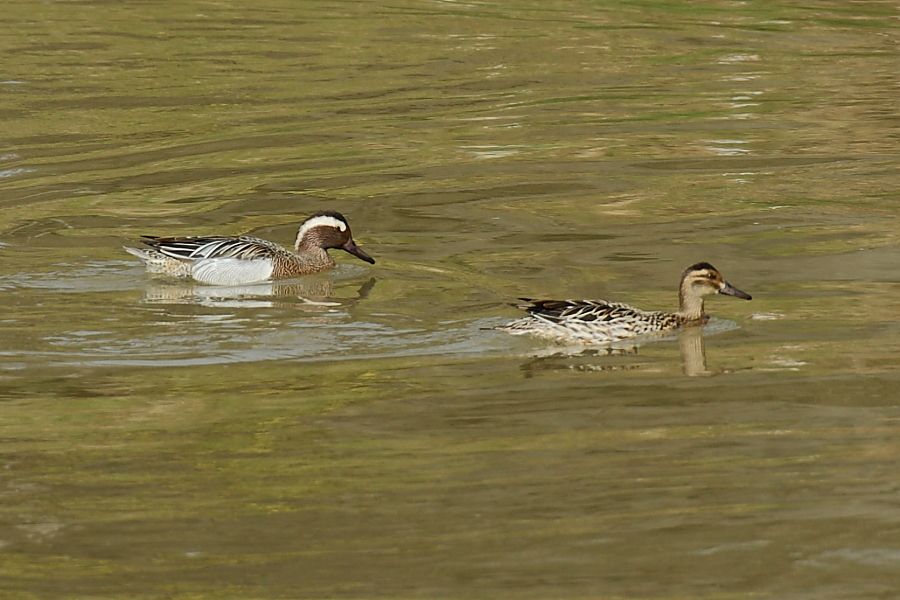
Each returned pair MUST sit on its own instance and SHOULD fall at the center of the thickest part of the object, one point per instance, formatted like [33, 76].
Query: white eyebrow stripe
[319, 221]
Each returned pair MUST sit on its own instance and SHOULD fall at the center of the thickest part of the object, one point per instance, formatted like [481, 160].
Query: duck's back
[214, 247]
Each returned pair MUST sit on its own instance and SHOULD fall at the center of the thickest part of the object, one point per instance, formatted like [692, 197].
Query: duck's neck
[690, 306]
[313, 255]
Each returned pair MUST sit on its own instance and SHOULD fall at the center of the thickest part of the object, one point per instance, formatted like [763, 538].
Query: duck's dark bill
[356, 251]
[730, 290]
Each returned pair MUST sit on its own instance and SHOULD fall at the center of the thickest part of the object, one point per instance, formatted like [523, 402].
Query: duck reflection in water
[315, 293]
[691, 346]
[693, 352]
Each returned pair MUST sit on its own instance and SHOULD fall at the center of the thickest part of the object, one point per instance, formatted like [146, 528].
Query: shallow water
[365, 433]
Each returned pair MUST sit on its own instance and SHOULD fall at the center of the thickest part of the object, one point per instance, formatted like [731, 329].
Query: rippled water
[364, 433]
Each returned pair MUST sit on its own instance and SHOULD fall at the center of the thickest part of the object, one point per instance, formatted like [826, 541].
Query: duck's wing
[213, 247]
[577, 310]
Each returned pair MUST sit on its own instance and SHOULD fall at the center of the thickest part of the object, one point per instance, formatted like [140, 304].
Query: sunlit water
[366, 433]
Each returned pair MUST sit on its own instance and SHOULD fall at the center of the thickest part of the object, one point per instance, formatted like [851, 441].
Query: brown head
[329, 229]
[697, 282]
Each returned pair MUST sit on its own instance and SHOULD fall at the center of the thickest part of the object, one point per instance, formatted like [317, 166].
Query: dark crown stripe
[700, 266]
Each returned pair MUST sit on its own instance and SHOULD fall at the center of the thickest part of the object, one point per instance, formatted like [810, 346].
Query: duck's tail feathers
[141, 254]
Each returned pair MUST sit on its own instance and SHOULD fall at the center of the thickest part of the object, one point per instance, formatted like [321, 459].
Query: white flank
[231, 271]
[323, 220]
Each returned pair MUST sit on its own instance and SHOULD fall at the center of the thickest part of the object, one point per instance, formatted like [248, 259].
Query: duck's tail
[141, 254]
[158, 263]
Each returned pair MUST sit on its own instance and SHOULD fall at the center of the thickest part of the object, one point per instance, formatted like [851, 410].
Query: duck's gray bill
[730, 290]
[356, 251]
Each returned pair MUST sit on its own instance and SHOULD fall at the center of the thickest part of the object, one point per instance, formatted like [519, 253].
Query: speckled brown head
[329, 229]
[701, 280]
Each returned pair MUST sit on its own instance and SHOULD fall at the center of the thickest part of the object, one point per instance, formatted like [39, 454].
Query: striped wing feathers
[208, 247]
[598, 311]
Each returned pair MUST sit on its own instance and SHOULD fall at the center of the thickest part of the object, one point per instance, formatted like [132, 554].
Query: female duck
[223, 260]
[599, 321]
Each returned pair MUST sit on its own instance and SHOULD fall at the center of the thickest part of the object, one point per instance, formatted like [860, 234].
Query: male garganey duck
[599, 321]
[224, 260]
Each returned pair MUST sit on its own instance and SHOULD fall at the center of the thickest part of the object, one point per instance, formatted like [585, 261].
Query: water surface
[363, 433]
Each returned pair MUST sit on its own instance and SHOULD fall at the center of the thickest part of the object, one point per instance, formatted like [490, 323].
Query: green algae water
[364, 433]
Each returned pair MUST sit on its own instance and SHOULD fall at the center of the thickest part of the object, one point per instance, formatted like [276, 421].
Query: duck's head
[701, 280]
[329, 229]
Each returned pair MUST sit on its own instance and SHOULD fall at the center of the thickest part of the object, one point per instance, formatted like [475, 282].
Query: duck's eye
[710, 276]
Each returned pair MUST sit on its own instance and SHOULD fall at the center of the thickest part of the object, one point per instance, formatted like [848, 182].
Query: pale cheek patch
[321, 221]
